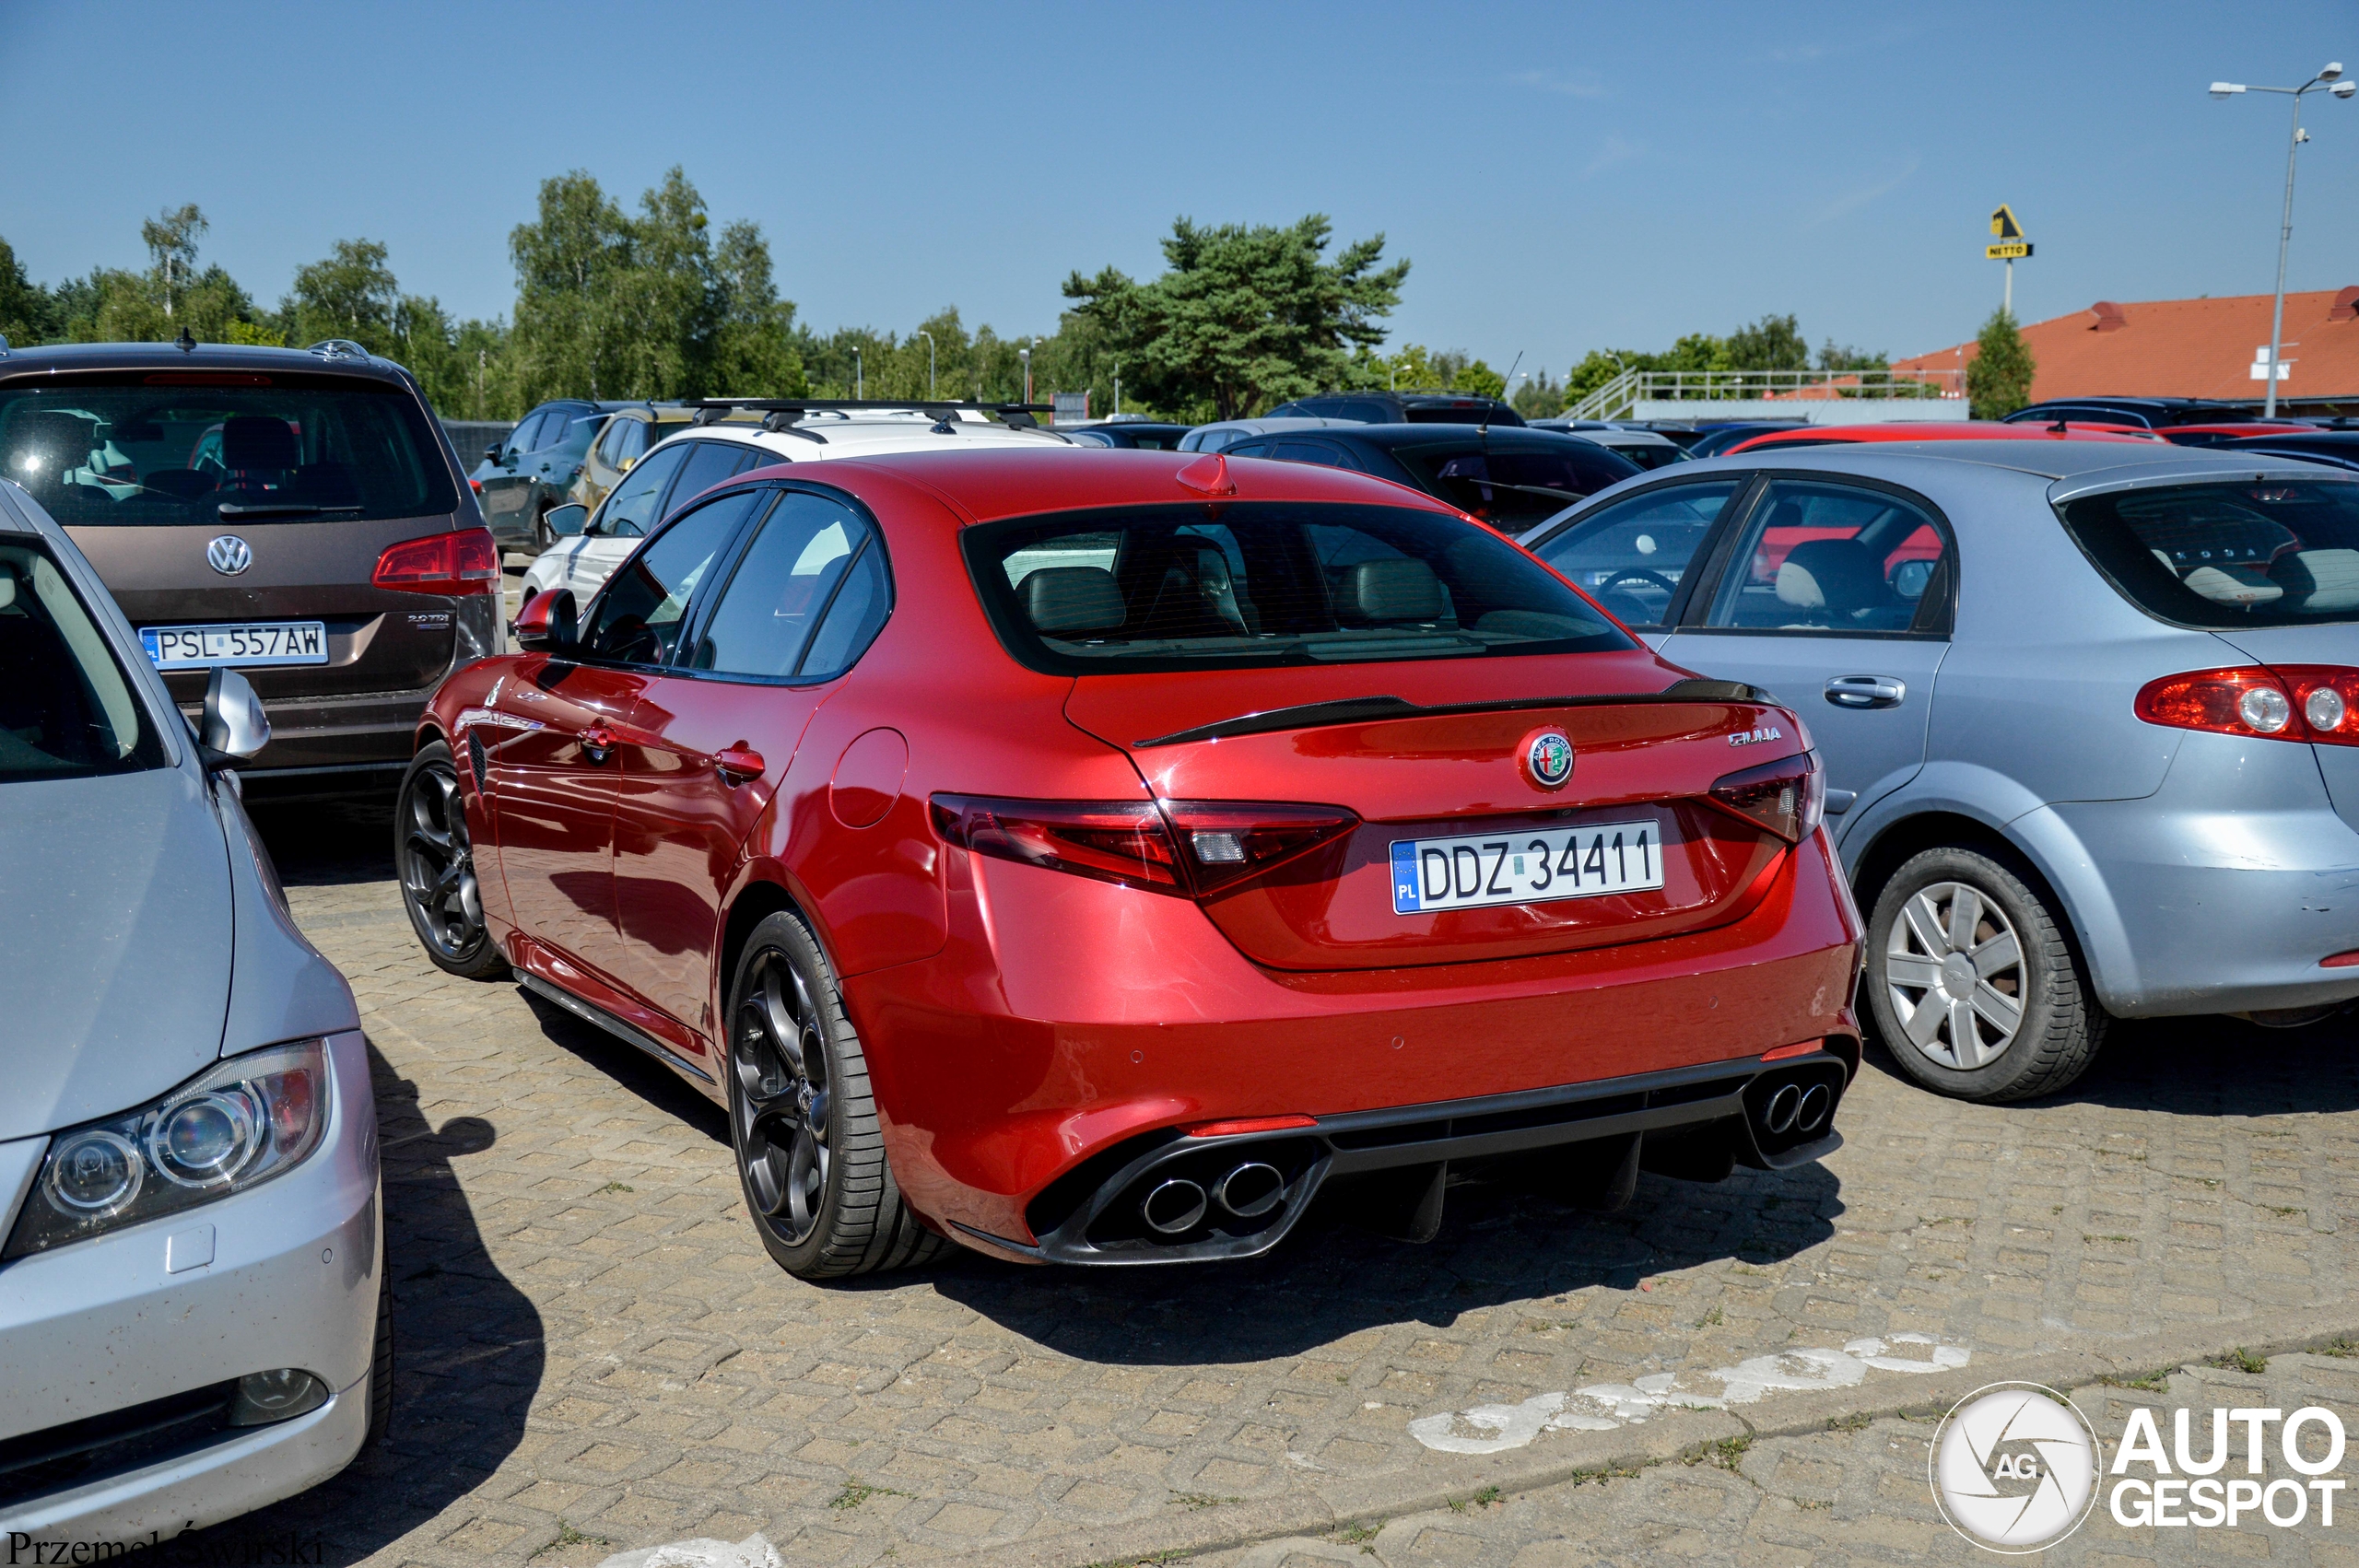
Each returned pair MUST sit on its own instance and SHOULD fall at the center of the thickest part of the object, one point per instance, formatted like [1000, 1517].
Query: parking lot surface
[597, 1356]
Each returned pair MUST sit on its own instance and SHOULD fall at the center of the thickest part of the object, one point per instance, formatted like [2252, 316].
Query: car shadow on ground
[2205, 1067]
[630, 1067]
[468, 1357]
[1498, 1246]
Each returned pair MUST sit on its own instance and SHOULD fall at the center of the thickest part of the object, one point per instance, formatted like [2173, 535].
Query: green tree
[352, 294]
[1539, 398]
[1773, 343]
[1245, 317]
[1998, 382]
[170, 239]
[27, 314]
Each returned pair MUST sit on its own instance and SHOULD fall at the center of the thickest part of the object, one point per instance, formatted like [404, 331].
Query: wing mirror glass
[548, 624]
[235, 727]
[568, 519]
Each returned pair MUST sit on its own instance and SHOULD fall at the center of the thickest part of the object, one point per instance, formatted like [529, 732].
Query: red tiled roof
[2186, 348]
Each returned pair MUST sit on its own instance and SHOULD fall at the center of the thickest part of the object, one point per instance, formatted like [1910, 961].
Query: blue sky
[1563, 176]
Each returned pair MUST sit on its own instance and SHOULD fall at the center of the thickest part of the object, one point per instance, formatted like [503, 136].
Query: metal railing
[1617, 397]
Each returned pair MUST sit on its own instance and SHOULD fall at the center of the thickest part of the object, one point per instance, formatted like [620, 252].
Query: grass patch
[2108, 1238]
[2155, 1382]
[1858, 1423]
[1194, 1500]
[1727, 1453]
[2286, 1213]
[1807, 1502]
[1711, 1320]
[857, 1492]
[617, 1186]
[1173, 1554]
[568, 1535]
[2238, 1359]
[1483, 1499]
[1603, 1474]
[1359, 1536]
[2346, 1348]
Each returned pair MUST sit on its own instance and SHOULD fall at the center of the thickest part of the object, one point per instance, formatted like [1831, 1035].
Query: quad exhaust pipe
[1796, 1109]
[1787, 1108]
[1176, 1205]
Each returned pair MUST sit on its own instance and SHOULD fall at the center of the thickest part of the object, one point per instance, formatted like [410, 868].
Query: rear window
[2263, 553]
[1514, 490]
[202, 447]
[1251, 585]
[67, 709]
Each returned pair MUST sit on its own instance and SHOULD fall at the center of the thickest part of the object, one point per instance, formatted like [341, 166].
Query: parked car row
[1088, 848]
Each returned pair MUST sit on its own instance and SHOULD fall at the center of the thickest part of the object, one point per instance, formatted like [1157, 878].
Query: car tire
[810, 1152]
[434, 858]
[381, 1360]
[1975, 987]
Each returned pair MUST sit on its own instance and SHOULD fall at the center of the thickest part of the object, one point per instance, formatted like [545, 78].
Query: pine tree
[1998, 381]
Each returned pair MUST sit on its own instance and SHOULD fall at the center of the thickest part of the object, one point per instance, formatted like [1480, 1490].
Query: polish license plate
[1531, 867]
[258, 642]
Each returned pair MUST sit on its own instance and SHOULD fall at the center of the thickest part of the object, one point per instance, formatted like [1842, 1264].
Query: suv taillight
[1787, 796]
[1187, 848]
[464, 562]
[2316, 703]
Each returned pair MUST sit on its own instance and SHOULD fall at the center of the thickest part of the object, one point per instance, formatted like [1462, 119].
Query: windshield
[2265, 552]
[200, 447]
[1513, 490]
[1250, 585]
[65, 707]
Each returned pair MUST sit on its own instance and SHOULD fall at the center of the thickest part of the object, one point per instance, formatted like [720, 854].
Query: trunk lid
[1449, 774]
[315, 570]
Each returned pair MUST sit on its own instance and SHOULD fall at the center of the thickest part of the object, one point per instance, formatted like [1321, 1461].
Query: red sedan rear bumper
[1067, 1019]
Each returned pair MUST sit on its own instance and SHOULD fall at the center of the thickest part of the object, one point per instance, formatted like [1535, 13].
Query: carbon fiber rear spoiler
[1364, 709]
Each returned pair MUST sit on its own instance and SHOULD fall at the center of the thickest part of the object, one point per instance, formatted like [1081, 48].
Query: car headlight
[237, 1123]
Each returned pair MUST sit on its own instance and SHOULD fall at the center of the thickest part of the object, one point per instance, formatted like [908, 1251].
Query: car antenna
[1484, 429]
[185, 343]
[2061, 427]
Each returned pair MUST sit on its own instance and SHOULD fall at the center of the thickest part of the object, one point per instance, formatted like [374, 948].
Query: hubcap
[1954, 972]
[782, 1098]
[438, 864]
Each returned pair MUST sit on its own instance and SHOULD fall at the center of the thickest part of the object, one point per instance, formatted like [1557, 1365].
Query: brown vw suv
[296, 514]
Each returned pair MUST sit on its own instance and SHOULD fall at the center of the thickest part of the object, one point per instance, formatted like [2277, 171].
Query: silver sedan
[2089, 715]
[192, 1314]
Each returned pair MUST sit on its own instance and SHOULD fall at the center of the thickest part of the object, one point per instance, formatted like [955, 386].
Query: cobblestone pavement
[1856, 1495]
[597, 1354]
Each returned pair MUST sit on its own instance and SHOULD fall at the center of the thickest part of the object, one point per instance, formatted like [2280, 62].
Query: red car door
[549, 769]
[555, 783]
[715, 733]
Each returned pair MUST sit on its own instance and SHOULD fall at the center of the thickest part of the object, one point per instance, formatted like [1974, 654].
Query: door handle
[735, 765]
[596, 742]
[1866, 691]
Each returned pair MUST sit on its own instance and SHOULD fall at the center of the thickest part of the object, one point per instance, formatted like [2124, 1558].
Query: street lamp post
[859, 381]
[1118, 389]
[1025, 355]
[2340, 88]
[929, 361]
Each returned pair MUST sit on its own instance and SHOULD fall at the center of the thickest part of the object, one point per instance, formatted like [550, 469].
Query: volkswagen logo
[1548, 759]
[2014, 1468]
[228, 554]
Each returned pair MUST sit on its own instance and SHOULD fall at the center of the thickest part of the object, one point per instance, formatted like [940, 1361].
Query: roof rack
[785, 411]
[331, 348]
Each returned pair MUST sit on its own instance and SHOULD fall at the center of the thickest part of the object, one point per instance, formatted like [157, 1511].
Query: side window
[1830, 557]
[710, 462]
[522, 439]
[855, 617]
[611, 440]
[1319, 452]
[802, 561]
[633, 441]
[1631, 556]
[637, 619]
[631, 509]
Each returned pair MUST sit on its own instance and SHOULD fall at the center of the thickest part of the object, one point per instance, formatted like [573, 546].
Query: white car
[1229, 432]
[591, 545]
[1647, 449]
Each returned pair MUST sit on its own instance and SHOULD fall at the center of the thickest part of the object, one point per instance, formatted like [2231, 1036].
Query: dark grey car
[295, 514]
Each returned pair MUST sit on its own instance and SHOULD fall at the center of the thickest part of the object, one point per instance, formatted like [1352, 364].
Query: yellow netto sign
[2012, 250]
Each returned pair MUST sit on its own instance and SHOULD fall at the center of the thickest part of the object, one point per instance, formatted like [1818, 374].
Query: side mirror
[491, 454]
[235, 727]
[568, 519]
[548, 624]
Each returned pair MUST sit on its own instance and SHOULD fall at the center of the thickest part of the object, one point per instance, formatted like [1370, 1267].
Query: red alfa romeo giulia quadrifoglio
[1094, 858]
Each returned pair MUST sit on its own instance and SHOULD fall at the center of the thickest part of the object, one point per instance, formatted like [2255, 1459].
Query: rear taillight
[1787, 796]
[464, 562]
[1202, 847]
[2315, 703]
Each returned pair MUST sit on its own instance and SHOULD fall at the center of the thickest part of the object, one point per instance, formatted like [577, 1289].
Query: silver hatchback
[2089, 715]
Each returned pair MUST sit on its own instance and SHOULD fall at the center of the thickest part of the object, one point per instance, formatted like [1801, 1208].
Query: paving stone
[594, 1344]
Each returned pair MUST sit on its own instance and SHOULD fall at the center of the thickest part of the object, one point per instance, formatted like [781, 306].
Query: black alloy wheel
[434, 854]
[810, 1153]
